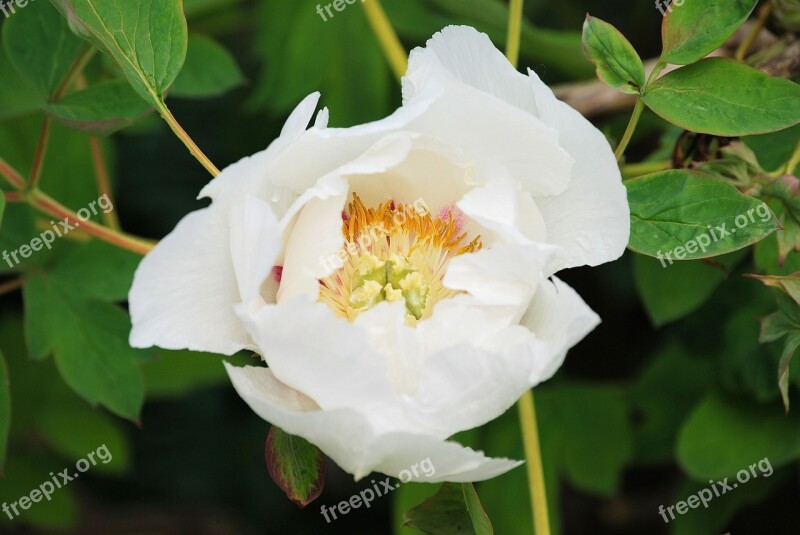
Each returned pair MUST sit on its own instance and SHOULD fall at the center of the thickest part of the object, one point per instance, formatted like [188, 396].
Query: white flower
[437, 310]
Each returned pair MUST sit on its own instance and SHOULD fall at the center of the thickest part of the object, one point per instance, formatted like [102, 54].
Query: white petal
[559, 317]
[486, 127]
[184, 290]
[346, 436]
[590, 220]
[315, 352]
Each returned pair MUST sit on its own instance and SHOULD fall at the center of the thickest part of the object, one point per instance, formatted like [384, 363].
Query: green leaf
[663, 396]
[89, 341]
[210, 70]
[584, 410]
[147, 38]
[18, 96]
[97, 270]
[618, 65]
[292, 35]
[56, 425]
[722, 97]
[40, 46]
[5, 411]
[670, 294]
[790, 284]
[26, 471]
[694, 29]
[100, 109]
[683, 215]
[724, 435]
[297, 466]
[456, 508]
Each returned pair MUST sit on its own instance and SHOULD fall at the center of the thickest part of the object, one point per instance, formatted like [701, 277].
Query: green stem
[187, 140]
[637, 112]
[794, 160]
[387, 37]
[633, 170]
[514, 31]
[535, 467]
[626, 138]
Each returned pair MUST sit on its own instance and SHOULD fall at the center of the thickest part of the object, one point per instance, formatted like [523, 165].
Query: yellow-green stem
[514, 31]
[794, 160]
[763, 15]
[533, 462]
[526, 404]
[184, 137]
[387, 37]
[633, 170]
[626, 138]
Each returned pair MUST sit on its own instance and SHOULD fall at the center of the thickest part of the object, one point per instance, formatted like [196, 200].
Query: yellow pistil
[394, 252]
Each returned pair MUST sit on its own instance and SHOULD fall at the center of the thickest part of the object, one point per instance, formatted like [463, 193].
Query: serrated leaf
[5, 410]
[790, 284]
[723, 97]
[618, 65]
[97, 270]
[41, 47]
[696, 28]
[690, 216]
[210, 70]
[89, 341]
[456, 508]
[100, 109]
[297, 466]
[147, 38]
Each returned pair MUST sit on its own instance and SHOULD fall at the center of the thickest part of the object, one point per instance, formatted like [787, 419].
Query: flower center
[394, 252]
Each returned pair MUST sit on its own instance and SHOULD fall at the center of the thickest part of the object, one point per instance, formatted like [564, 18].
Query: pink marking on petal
[277, 273]
[451, 211]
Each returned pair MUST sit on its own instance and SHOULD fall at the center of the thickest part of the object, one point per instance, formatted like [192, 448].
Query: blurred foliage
[672, 390]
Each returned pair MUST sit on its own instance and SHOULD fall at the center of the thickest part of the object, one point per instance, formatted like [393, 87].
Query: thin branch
[41, 153]
[14, 196]
[103, 181]
[75, 69]
[12, 175]
[11, 286]
[45, 203]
